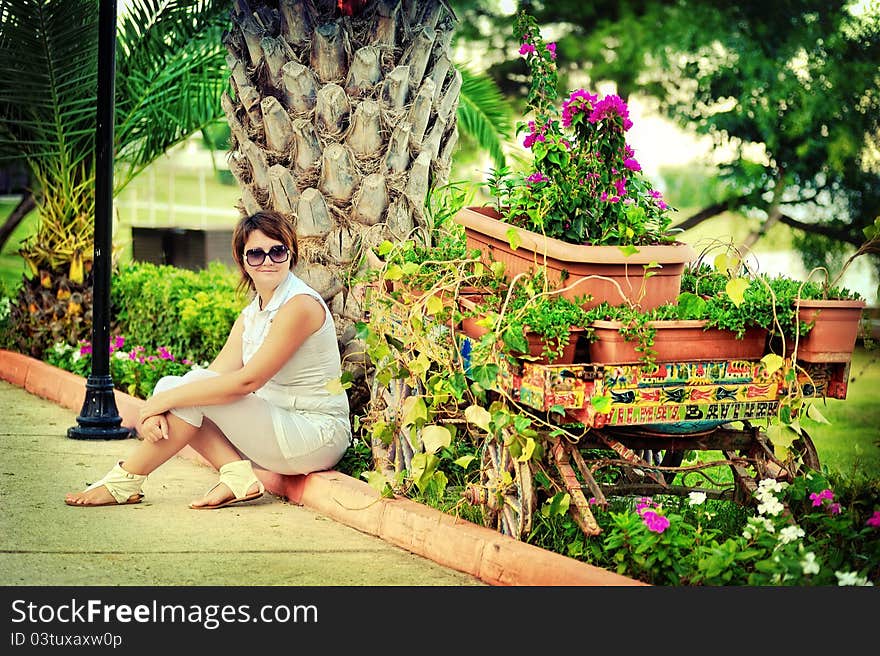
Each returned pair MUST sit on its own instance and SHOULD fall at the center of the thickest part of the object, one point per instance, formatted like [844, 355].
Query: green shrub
[187, 312]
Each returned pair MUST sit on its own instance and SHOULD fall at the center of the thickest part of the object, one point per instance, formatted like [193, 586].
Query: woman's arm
[230, 356]
[292, 325]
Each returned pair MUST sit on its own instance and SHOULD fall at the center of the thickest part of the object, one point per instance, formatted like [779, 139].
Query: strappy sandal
[124, 486]
[239, 477]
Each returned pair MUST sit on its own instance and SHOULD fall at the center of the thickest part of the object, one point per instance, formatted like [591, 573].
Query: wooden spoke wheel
[508, 487]
[802, 457]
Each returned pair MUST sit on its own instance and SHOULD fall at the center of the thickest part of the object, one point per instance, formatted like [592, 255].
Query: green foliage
[188, 312]
[484, 113]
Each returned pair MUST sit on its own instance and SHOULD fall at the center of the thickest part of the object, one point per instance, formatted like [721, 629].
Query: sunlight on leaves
[736, 289]
[414, 409]
[772, 362]
[478, 416]
[435, 437]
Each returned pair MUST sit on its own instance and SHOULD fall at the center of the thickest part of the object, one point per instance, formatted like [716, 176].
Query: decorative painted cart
[636, 445]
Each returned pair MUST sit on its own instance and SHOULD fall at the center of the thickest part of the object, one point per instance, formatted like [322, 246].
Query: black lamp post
[99, 417]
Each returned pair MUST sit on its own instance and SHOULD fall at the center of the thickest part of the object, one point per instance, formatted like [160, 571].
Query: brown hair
[272, 224]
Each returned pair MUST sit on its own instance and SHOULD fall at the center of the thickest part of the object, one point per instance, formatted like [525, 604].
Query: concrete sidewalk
[324, 529]
[161, 541]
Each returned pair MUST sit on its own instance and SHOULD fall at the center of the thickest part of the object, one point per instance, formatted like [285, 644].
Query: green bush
[186, 312]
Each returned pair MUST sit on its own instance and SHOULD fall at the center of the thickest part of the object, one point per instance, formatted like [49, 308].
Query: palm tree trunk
[344, 119]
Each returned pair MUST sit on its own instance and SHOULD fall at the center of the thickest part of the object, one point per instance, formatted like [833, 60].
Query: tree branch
[822, 229]
[709, 212]
[25, 205]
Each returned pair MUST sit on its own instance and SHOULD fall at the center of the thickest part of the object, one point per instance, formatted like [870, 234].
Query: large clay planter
[677, 341]
[833, 336]
[536, 342]
[603, 272]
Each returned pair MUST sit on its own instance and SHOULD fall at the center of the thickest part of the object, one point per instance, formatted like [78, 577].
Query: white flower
[771, 485]
[790, 534]
[696, 498]
[756, 525]
[77, 356]
[770, 506]
[121, 355]
[809, 564]
[851, 578]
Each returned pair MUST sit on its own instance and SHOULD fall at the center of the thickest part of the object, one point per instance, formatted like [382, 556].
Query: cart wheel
[510, 495]
[802, 458]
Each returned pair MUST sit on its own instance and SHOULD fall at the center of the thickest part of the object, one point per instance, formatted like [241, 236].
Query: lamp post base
[99, 419]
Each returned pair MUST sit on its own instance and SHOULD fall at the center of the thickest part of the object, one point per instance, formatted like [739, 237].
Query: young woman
[265, 398]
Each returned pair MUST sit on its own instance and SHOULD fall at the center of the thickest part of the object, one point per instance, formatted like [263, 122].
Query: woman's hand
[155, 405]
[154, 428]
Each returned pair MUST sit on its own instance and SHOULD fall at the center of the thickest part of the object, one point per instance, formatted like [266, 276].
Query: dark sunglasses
[256, 256]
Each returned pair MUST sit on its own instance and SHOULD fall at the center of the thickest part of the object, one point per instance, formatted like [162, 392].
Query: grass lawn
[851, 442]
[11, 264]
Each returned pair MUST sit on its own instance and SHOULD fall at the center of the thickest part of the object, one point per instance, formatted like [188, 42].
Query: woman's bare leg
[147, 456]
[213, 446]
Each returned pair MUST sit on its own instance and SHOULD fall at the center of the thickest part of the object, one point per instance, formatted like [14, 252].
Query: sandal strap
[121, 484]
[239, 477]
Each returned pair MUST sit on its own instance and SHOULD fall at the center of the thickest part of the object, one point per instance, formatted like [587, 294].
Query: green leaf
[485, 375]
[736, 289]
[513, 238]
[772, 362]
[433, 305]
[375, 480]
[393, 272]
[478, 416]
[560, 503]
[384, 248]
[435, 437]
[528, 450]
[726, 263]
[464, 461]
[691, 305]
[414, 410]
[814, 414]
[628, 250]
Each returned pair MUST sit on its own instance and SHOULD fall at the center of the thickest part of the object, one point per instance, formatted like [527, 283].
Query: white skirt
[275, 439]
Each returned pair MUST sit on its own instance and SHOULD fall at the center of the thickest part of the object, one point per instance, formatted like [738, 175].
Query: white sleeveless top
[301, 384]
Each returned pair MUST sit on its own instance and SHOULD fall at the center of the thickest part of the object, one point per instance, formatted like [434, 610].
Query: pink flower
[874, 520]
[551, 48]
[579, 102]
[620, 186]
[537, 177]
[655, 523]
[85, 348]
[817, 498]
[632, 164]
[165, 354]
[835, 508]
[526, 49]
[611, 107]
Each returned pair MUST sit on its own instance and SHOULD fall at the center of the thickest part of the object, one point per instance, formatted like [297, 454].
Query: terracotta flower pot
[536, 342]
[593, 270]
[677, 341]
[834, 333]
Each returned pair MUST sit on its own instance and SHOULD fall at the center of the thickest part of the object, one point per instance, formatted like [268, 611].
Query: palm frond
[171, 73]
[48, 52]
[484, 113]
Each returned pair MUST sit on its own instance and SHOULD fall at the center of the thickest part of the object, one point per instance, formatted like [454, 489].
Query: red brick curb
[493, 558]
